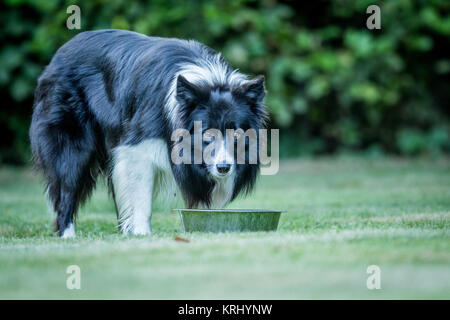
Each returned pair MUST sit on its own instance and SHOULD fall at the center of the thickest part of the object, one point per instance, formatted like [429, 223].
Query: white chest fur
[222, 192]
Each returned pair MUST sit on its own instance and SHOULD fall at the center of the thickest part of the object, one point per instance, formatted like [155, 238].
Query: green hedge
[334, 85]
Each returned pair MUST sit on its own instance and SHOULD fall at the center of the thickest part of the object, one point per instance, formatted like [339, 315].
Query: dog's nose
[223, 168]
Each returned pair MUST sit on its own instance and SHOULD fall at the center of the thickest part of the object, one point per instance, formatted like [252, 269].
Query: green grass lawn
[343, 214]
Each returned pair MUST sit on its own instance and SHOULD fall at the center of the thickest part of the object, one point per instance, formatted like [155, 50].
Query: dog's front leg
[133, 181]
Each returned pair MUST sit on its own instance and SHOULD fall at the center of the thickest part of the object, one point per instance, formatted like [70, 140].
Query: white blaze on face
[217, 153]
[222, 155]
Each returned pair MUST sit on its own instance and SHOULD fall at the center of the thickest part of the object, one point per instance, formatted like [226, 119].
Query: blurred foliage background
[333, 85]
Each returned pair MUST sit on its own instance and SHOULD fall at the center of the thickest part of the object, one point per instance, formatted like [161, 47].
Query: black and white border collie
[109, 101]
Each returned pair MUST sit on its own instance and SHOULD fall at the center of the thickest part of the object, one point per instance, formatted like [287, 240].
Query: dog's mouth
[221, 171]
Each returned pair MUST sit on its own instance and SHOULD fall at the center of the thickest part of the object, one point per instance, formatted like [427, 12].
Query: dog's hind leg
[66, 207]
[69, 186]
[67, 156]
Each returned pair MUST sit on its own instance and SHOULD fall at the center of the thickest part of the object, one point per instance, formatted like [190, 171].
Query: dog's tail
[36, 159]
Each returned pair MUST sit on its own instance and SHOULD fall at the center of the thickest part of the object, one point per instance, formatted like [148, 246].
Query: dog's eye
[208, 136]
[237, 134]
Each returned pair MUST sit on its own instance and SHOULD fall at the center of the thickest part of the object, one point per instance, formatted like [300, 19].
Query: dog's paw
[69, 232]
[140, 231]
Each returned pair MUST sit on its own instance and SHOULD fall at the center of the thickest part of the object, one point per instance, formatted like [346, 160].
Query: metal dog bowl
[228, 220]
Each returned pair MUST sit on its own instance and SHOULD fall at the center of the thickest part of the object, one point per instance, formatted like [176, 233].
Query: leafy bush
[333, 84]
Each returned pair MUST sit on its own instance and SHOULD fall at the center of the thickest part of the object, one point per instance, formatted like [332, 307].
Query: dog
[108, 103]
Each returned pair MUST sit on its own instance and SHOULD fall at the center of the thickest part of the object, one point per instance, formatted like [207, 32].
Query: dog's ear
[188, 94]
[253, 90]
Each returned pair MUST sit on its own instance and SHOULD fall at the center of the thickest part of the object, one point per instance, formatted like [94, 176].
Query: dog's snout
[223, 168]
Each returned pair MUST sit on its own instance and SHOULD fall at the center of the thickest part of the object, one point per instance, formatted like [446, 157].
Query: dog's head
[218, 119]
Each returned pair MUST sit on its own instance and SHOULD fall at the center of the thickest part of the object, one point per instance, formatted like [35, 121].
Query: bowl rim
[180, 210]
